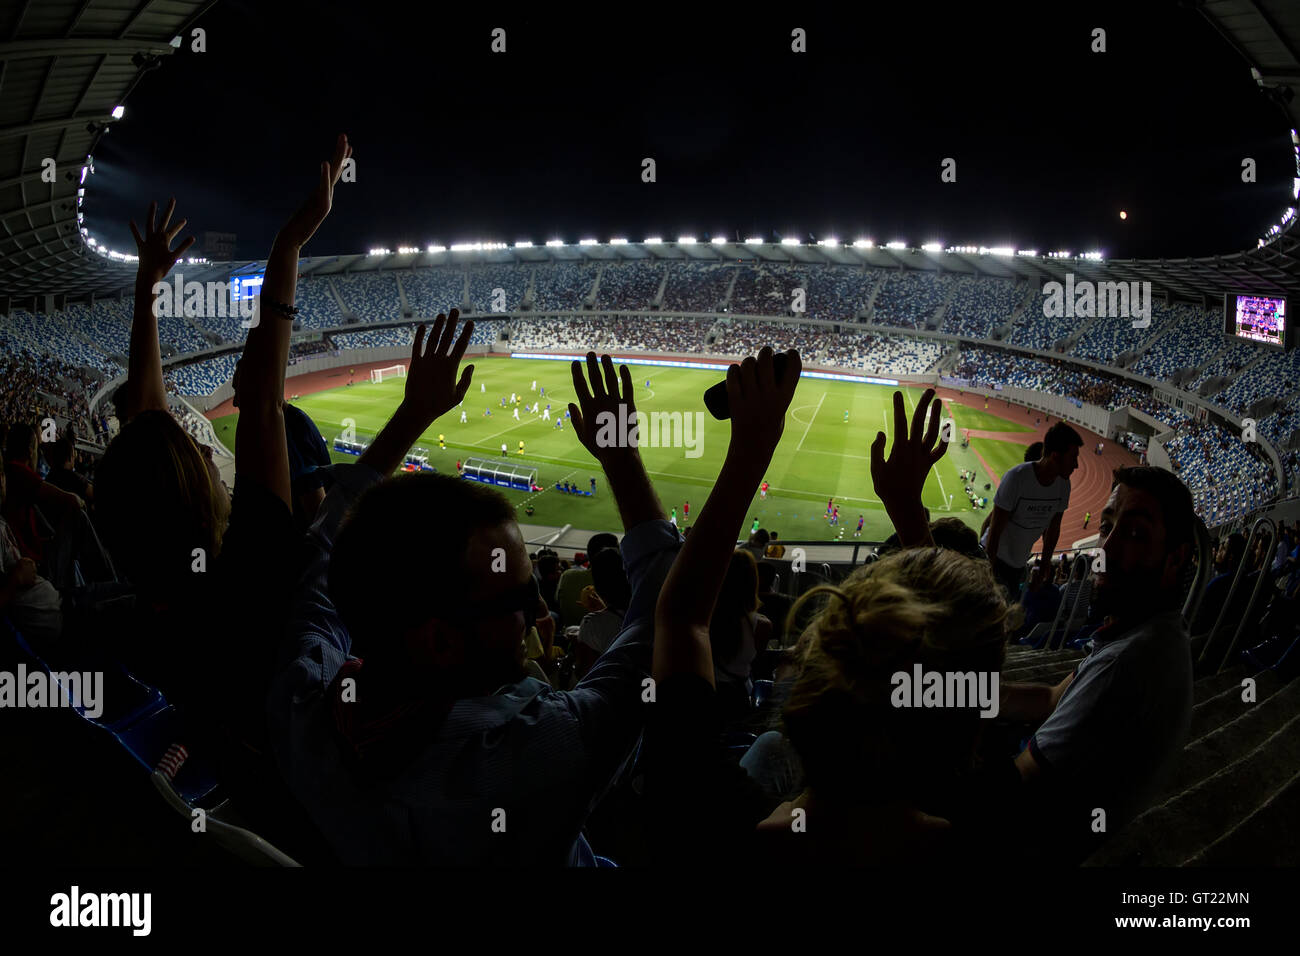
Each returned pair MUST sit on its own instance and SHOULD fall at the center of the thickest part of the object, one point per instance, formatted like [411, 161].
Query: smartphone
[715, 398]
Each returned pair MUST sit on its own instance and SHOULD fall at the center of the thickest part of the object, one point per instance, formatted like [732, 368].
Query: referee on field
[1029, 503]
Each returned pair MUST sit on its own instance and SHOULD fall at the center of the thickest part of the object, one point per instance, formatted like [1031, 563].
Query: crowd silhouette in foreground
[382, 673]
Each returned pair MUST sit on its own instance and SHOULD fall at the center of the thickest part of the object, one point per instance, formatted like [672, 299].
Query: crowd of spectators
[696, 287]
[629, 286]
[502, 717]
[981, 305]
[909, 299]
[370, 296]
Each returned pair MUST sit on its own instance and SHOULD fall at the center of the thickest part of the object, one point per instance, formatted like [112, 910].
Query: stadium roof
[64, 66]
[1267, 35]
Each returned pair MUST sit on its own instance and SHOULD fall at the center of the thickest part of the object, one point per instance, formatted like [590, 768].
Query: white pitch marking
[799, 447]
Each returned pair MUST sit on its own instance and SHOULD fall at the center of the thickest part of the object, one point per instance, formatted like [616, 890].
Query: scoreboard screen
[245, 287]
[1255, 318]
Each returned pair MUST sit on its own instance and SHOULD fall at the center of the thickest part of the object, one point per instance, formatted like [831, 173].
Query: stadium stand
[839, 293]
[483, 283]
[979, 306]
[696, 287]
[430, 291]
[909, 299]
[371, 297]
[629, 285]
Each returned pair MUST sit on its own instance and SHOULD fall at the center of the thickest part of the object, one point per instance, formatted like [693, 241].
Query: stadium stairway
[1236, 778]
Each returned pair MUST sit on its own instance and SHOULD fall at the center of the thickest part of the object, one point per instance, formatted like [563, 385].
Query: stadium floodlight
[932, 246]
[718, 240]
[119, 112]
[588, 242]
[832, 242]
[84, 170]
[1092, 255]
[654, 241]
[997, 251]
[618, 242]
[435, 248]
[523, 245]
[686, 240]
[863, 244]
[408, 250]
[379, 251]
[754, 241]
[554, 243]
[789, 241]
[896, 244]
[1026, 252]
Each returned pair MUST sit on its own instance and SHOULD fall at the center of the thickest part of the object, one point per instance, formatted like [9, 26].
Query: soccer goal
[377, 375]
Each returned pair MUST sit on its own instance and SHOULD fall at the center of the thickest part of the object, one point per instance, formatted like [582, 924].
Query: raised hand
[596, 418]
[154, 248]
[304, 223]
[431, 386]
[758, 402]
[899, 479]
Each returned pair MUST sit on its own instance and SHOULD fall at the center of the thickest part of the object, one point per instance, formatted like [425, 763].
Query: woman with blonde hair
[878, 775]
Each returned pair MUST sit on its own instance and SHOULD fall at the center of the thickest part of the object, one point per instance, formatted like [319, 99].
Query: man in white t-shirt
[1029, 504]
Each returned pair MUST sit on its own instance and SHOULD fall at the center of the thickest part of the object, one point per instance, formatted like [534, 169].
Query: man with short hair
[432, 746]
[1109, 730]
[1030, 502]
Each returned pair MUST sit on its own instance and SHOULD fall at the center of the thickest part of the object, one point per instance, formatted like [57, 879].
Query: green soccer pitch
[820, 456]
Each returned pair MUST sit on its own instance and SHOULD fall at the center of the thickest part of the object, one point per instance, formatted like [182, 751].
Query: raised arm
[598, 407]
[431, 390]
[144, 378]
[690, 592]
[900, 479]
[261, 450]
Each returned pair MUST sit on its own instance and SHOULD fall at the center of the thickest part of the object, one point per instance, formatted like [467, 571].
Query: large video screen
[1255, 318]
[245, 287]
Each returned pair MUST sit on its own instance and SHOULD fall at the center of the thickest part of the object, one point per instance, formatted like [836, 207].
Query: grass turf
[821, 455]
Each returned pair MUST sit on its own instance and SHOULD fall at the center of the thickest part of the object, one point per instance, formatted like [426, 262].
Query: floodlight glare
[654, 241]
[119, 112]
[718, 240]
[686, 240]
[754, 241]
[789, 242]
[587, 242]
[618, 242]
[523, 245]
[862, 244]
[932, 247]
[828, 242]
[896, 244]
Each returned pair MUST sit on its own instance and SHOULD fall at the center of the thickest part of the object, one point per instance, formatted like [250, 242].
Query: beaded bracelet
[286, 310]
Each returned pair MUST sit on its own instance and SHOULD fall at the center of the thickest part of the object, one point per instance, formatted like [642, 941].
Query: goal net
[393, 371]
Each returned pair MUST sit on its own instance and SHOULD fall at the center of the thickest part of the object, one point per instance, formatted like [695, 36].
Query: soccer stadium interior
[1173, 392]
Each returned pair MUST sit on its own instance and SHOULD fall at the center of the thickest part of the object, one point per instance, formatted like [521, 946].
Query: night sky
[455, 144]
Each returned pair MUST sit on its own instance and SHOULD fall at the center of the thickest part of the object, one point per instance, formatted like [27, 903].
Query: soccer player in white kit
[516, 414]
[462, 418]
